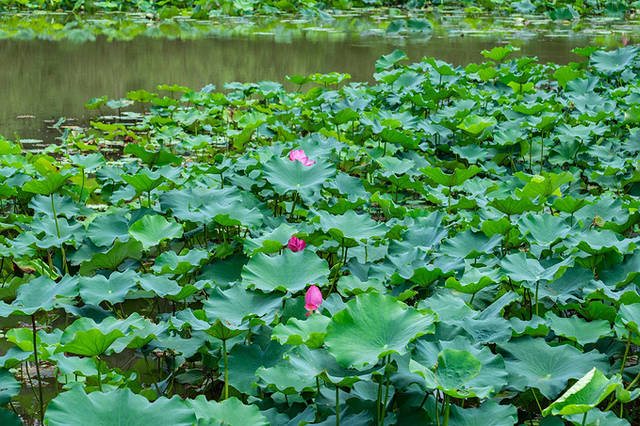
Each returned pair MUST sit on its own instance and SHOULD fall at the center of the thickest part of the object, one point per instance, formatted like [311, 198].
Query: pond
[57, 78]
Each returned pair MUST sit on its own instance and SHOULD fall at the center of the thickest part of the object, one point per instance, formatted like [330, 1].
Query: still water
[44, 80]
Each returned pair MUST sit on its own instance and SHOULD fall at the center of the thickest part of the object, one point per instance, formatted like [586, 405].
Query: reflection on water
[55, 79]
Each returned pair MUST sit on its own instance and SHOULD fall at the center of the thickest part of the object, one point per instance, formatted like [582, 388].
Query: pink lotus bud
[312, 300]
[296, 244]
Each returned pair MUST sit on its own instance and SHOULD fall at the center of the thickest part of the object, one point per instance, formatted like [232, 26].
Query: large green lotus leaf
[236, 304]
[243, 361]
[9, 386]
[64, 205]
[98, 288]
[230, 412]
[474, 279]
[50, 183]
[104, 230]
[613, 61]
[394, 166]
[161, 157]
[628, 317]
[596, 242]
[111, 259]
[474, 124]
[578, 329]
[453, 370]
[15, 356]
[321, 363]
[75, 365]
[469, 244]
[512, 206]
[448, 307]
[372, 326]
[119, 407]
[284, 378]
[307, 181]
[88, 162]
[152, 229]
[170, 262]
[533, 363]
[585, 394]
[492, 376]
[144, 181]
[521, 268]
[86, 337]
[288, 272]
[487, 330]
[596, 417]
[45, 228]
[270, 242]
[490, 413]
[161, 285]
[309, 332]
[543, 186]
[387, 61]
[451, 179]
[142, 331]
[43, 293]
[358, 227]
[543, 228]
[350, 285]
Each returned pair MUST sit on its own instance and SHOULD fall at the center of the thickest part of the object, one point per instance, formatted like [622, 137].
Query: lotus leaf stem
[226, 370]
[35, 357]
[533, 391]
[55, 219]
[337, 405]
[447, 406]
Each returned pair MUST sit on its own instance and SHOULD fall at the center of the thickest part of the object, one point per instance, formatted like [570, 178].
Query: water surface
[43, 80]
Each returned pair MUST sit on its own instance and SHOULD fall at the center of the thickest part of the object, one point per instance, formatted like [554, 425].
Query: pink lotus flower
[296, 244]
[312, 300]
[299, 155]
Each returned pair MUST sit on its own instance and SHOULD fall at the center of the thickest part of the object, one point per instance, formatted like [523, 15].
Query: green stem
[337, 405]
[82, 186]
[379, 402]
[98, 362]
[35, 357]
[533, 391]
[584, 418]
[537, 285]
[437, 411]
[541, 152]
[626, 351]
[226, 371]
[386, 392]
[447, 406]
[55, 218]
[293, 205]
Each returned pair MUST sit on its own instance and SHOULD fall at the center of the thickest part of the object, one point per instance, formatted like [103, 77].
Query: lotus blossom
[299, 155]
[296, 244]
[312, 300]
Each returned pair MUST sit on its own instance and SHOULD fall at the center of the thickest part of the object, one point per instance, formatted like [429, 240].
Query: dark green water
[51, 79]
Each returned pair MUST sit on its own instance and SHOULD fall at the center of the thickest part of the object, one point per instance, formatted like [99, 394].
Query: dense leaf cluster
[474, 232]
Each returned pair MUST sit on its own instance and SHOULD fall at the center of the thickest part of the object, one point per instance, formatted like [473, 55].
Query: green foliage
[473, 233]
